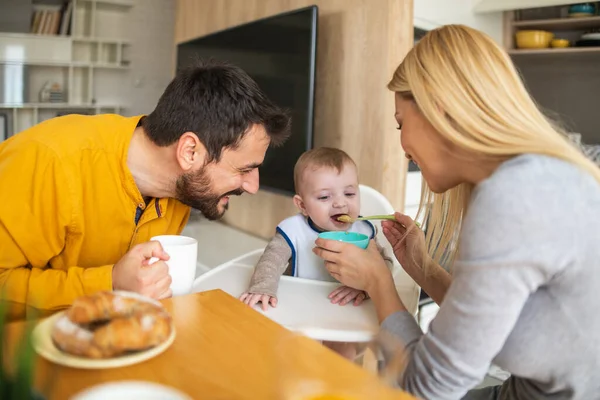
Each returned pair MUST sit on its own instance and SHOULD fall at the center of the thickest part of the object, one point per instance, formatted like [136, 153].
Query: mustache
[235, 192]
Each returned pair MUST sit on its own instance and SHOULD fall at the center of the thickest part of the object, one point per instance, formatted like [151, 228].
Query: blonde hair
[467, 87]
[318, 158]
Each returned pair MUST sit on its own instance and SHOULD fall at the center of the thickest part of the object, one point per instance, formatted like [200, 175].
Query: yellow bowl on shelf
[559, 43]
[533, 39]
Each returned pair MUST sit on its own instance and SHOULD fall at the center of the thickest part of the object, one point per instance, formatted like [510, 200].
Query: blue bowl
[582, 8]
[357, 239]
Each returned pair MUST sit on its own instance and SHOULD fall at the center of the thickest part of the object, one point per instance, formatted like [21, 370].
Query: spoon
[348, 219]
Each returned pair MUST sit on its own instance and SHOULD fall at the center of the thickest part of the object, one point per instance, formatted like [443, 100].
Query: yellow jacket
[67, 210]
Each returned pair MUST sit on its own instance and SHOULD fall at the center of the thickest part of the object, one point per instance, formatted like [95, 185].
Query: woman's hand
[351, 265]
[362, 269]
[408, 243]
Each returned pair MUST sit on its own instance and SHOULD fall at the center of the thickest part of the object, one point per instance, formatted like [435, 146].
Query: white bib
[301, 236]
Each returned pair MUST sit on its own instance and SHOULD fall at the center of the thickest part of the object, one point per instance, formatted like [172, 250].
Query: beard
[194, 189]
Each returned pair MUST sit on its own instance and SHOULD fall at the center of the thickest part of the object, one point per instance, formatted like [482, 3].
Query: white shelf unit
[90, 65]
[555, 20]
[108, 3]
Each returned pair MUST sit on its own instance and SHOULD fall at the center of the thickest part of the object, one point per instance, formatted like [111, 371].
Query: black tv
[279, 53]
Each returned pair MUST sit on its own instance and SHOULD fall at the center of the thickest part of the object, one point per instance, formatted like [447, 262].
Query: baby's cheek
[356, 207]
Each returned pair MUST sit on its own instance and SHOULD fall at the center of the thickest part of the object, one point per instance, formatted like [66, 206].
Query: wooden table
[223, 350]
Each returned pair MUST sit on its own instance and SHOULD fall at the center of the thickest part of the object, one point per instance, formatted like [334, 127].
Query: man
[82, 195]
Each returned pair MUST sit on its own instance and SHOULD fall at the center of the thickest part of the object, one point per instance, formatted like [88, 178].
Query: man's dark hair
[217, 101]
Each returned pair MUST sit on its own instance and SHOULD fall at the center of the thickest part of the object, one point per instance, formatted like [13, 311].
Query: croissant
[106, 325]
[102, 306]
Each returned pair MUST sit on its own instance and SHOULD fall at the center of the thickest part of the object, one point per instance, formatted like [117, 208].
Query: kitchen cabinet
[487, 6]
[565, 82]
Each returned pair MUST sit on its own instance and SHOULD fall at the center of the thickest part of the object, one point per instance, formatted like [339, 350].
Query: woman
[513, 207]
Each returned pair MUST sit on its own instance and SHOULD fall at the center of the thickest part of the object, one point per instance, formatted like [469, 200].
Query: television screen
[279, 53]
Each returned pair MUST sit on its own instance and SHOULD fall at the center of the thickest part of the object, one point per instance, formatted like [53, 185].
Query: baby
[326, 182]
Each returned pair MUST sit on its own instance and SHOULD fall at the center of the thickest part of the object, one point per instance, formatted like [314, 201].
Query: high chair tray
[302, 305]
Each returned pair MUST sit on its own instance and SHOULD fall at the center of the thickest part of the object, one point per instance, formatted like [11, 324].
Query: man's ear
[300, 204]
[190, 152]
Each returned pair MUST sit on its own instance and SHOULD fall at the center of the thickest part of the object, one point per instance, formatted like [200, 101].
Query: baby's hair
[319, 158]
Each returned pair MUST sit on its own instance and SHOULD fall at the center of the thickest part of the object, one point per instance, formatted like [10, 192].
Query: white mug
[183, 253]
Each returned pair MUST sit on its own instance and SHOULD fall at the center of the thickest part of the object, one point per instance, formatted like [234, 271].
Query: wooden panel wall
[360, 43]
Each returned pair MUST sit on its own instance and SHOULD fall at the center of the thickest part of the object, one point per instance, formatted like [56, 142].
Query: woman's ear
[190, 152]
[300, 204]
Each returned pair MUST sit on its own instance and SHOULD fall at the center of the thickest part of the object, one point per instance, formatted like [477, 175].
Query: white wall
[432, 13]
[151, 30]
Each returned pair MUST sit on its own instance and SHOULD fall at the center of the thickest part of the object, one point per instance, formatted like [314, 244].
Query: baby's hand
[252, 299]
[344, 295]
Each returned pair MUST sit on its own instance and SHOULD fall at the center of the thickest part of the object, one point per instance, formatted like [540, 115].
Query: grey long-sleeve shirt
[525, 292]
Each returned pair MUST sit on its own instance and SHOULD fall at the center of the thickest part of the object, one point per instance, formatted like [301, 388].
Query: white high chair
[330, 322]
[372, 203]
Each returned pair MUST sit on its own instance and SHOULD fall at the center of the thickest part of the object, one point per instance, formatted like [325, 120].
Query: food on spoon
[107, 324]
[344, 218]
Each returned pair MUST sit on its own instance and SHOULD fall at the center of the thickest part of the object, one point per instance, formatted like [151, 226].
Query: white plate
[591, 36]
[45, 347]
[126, 390]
